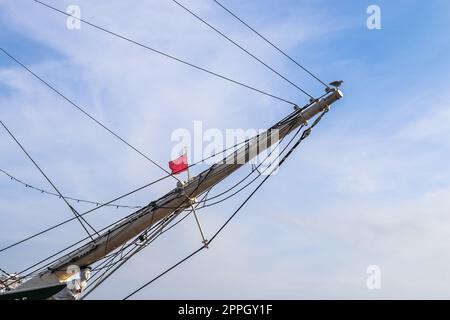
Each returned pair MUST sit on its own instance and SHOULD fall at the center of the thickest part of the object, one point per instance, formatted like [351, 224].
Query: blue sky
[371, 186]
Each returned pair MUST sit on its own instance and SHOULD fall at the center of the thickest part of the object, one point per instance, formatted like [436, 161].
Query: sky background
[370, 187]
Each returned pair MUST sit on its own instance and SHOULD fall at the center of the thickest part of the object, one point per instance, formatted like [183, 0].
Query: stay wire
[165, 54]
[77, 215]
[86, 113]
[242, 48]
[272, 44]
[4, 272]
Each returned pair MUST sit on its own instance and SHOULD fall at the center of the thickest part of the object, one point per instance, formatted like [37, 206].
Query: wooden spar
[177, 198]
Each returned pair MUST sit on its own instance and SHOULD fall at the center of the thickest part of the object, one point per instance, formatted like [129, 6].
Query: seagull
[337, 84]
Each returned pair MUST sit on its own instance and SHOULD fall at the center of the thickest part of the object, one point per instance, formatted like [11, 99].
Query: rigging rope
[86, 113]
[272, 44]
[43, 191]
[242, 48]
[74, 211]
[4, 272]
[165, 54]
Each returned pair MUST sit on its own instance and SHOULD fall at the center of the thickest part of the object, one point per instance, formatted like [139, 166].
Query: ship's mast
[179, 198]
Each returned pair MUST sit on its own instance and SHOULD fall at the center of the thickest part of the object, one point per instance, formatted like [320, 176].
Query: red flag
[179, 165]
